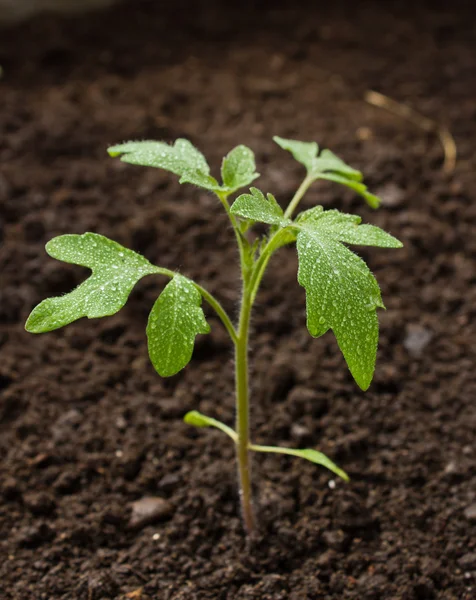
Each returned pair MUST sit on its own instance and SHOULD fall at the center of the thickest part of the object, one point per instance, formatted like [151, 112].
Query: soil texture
[104, 492]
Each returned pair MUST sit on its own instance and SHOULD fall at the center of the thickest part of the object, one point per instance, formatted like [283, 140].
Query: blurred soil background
[88, 431]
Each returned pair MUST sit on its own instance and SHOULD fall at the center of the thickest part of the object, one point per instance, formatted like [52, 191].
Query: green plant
[341, 292]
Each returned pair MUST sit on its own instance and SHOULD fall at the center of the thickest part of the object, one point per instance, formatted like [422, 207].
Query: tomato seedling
[341, 292]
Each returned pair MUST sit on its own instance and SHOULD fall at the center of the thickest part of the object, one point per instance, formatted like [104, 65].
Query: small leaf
[341, 292]
[303, 152]
[115, 271]
[313, 456]
[328, 161]
[319, 458]
[256, 207]
[347, 229]
[238, 168]
[182, 158]
[328, 166]
[361, 189]
[174, 322]
[198, 420]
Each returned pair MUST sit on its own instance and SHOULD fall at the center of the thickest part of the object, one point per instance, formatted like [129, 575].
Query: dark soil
[87, 427]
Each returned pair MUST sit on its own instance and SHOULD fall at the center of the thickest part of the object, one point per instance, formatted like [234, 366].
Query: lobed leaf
[238, 168]
[372, 200]
[115, 271]
[341, 292]
[174, 322]
[328, 166]
[257, 207]
[328, 161]
[182, 158]
[303, 152]
[347, 228]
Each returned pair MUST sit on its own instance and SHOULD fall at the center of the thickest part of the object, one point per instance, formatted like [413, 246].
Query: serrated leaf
[303, 152]
[182, 158]
[328, 166]
[314, 456]
[341, 292]
[257, 207]
[197, 419]
[174, 322]
[115, 271]
[238, 168]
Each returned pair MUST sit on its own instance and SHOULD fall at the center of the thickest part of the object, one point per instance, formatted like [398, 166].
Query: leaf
[174, 322]
[182, 158]
[328, 166]
[361, 189]
[115, 271]
[347, 228]
[328, 161]
[341, 292]
[256, 207]
[303, 152]
[313, 456]
[198, 420]
[309, 214]
[238, 168]
[319, 458]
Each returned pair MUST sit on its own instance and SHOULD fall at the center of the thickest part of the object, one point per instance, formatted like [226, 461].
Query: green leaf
[309, 214]
[313, 456]
[115, 271]
[174, 322]
[328, 161]
[347, 228]
[328, 166]
[256, 207]
[303, 152]
[238, 168]
[197, 419]
[341, 292]
[182, 158]
[361, 189]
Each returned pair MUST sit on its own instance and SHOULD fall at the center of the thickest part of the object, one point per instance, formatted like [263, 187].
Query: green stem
[302, 189]
[262, 262]
[251, 282]
[223, 197]
[242, 412]
[220, 311]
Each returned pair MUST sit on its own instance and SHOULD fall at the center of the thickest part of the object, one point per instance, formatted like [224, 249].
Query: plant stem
[242, 412]
[302, 189]
[223, 197]
[263, 260]
[220, 311]
[251, 281]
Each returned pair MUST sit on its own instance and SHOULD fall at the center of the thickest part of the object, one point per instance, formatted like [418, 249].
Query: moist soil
[88, 429]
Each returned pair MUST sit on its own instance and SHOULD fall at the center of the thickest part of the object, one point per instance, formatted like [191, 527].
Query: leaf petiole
[302, 189]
